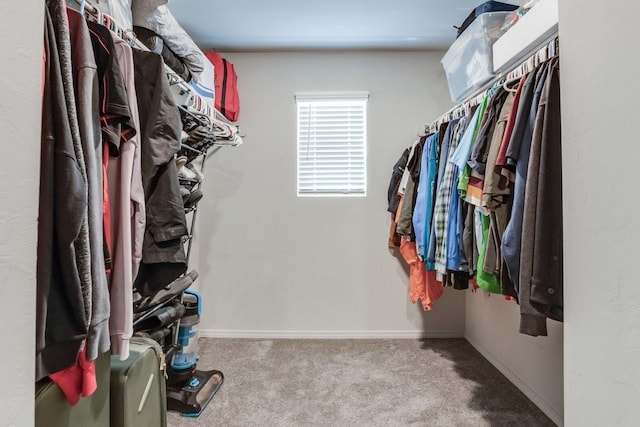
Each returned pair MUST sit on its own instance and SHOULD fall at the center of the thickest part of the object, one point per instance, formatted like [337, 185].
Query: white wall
[600, 89]
[533, 364]
[278, 265]
[309, 281]
[21, 29]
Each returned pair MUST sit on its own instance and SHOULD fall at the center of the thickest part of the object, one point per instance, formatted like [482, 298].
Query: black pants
[163, 256]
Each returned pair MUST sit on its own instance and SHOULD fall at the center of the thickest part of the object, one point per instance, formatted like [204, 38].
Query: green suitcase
[138, 390]
[53, 410]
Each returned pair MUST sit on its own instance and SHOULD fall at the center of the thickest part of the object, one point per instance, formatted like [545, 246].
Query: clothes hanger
[111, 25]
[106, 20]
[128, 35]
[173, 79]
[530, 64]
[506, 84]
[120, 32]
[222, 130]
[552, 48]
[465, 110]
[515, 73]
[543, 55]
[96, 15]
[91, 13]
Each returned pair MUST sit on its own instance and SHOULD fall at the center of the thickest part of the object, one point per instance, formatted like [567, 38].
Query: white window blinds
[332, 149]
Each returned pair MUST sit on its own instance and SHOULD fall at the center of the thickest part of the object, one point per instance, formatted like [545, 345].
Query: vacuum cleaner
[190, 390]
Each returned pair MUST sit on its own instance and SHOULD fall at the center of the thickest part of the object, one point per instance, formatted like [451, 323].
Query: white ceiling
[249, 25]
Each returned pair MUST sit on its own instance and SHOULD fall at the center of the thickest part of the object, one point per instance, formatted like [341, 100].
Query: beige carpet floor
[358, 383]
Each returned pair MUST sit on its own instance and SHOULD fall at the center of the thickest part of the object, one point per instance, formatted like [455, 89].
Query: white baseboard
[213, 333]
[539, 401]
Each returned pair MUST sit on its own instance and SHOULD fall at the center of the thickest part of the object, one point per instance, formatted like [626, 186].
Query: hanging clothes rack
[184, 90]
[201, 122]
[550, 49]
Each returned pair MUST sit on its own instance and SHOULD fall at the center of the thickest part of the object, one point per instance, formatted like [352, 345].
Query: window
[332, 149]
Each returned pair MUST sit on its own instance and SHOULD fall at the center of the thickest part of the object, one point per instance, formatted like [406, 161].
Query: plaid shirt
[443, 201]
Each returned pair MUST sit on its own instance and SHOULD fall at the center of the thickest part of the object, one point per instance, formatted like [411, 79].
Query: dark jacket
[163, 256]
[532, 323]
[396, 176]
[117, 123]
[405, 220]
[522, 119]
[541, 258]
[520, 147]
[155, 43]
[61, 324]
[480, 152]
[87, 101]
[58, 9]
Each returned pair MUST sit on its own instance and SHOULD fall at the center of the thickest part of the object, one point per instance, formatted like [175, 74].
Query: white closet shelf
[534, 29]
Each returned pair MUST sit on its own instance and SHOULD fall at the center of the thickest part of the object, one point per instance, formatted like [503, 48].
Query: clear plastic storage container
[469, 61]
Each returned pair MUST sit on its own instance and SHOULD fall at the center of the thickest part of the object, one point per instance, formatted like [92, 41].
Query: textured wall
[600, 88]
[275, 264]
[21, 29]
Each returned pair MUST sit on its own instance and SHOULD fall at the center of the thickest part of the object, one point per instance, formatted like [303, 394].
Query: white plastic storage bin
[469, 61]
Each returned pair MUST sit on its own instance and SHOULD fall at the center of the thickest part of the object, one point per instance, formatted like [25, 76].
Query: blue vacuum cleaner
[190, 390]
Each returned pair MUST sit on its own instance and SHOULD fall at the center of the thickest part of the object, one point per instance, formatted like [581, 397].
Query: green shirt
[486, 281]
[463, 183]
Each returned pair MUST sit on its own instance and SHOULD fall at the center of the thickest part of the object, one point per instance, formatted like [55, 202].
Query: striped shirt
[443, 202]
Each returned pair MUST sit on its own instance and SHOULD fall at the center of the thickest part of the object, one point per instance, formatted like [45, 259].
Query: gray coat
[61, 321]
[541, 258]
[87, 103]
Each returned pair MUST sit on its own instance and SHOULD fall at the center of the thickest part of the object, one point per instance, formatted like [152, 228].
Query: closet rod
[549, 50]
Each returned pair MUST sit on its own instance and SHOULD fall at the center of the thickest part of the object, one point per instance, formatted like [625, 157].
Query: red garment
[89, 380]
[434, 290]
[78, 380]
[227, 100]
[474, 284]
[106, 209]
[423, 285]
[44, 70]
[394, 238]
[501, 160]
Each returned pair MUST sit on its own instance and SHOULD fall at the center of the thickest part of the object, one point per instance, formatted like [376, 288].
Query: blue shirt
[462, 153]
[453, 226]
[444, 152]
[423, 211]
